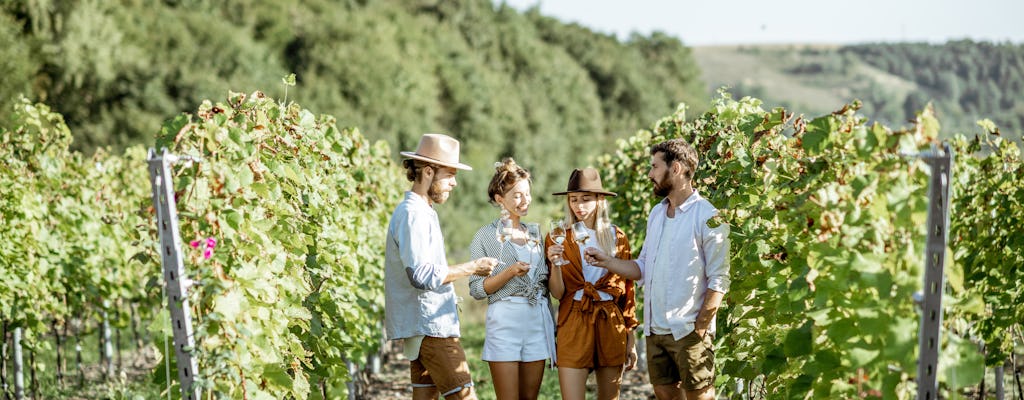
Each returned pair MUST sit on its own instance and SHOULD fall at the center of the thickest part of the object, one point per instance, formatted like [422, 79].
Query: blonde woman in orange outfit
[597, 312]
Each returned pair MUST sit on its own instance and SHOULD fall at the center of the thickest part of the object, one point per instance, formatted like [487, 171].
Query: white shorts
[516, 331]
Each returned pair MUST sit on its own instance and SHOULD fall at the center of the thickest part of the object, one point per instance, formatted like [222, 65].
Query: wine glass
[558, 235]
[504, 231]
[533, 238]
[581, 233]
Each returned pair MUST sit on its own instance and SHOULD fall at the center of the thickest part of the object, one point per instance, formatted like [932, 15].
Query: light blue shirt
[416, 299]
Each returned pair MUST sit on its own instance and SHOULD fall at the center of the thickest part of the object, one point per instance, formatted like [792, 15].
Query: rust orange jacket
[621, 289]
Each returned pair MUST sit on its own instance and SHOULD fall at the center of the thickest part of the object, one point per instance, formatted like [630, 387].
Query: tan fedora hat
[439, 149]
[585, 180]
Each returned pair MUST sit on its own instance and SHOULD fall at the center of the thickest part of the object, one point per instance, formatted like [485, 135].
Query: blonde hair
[602, 224]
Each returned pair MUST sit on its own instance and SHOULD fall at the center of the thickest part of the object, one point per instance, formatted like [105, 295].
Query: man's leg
[695, 356]
[422, 385]
[707, 393]
[662, 368]
[424, 393]
[668, 392]
[446, 364]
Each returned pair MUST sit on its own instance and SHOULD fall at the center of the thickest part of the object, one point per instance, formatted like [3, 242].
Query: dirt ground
[393, 383]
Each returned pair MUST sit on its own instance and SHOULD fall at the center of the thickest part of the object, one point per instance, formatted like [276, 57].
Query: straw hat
[439, 149]
[585, 180]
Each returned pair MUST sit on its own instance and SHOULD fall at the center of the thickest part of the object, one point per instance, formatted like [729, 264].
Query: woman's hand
[518, 269]
[554, 253]
[631, 356]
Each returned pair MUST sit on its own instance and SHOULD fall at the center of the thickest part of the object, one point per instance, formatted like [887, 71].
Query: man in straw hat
[420, 302]
[684, 268]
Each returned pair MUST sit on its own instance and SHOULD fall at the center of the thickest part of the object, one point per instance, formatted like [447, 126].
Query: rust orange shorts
[442, 363]
[592, 339]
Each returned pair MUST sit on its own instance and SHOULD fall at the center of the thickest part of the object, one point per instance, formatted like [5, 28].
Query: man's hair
[678, 150]
[414, 168]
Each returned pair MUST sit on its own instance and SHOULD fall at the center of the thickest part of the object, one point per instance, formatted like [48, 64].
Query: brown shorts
[594, 339]
[441, 363]
[690, 360]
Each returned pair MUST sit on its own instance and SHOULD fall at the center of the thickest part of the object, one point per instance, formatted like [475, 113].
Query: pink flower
[210, 244]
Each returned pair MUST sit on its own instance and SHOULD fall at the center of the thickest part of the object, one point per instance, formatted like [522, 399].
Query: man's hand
[596, 257]
[481, 266]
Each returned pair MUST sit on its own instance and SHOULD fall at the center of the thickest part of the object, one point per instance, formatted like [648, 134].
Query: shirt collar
[690, 201]
[417, 200]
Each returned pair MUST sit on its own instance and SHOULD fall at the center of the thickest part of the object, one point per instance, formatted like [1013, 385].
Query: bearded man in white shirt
[684, 265]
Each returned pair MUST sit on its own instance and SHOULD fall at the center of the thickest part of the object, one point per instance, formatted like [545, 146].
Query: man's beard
[436, 194]
[664, 188]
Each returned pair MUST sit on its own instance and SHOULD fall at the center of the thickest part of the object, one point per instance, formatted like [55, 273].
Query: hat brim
[586, 191]
[414, 156]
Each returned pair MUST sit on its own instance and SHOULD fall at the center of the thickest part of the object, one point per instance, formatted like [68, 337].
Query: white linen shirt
[591, 273]
[700, 261]
[416, 299]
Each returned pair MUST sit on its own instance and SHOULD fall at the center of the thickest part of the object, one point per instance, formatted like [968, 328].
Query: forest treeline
[966, 81]
[503, 81]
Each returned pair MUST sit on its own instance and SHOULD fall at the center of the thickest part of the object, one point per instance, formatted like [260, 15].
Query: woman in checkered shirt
[520, 329]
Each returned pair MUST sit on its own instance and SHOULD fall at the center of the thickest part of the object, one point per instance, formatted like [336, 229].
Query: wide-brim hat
[439, 149]
[585, 180]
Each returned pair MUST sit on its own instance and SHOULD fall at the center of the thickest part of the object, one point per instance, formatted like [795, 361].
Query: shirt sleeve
[476, 282]
[414, 248]
[716, 255]
[641, 259]
[628, 301]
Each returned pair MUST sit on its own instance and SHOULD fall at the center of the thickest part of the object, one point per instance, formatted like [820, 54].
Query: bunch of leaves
[987, 240]
[66, 219]
[297, 208]
[827, 237]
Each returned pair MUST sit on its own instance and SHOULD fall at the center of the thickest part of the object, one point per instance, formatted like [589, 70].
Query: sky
[724, 22]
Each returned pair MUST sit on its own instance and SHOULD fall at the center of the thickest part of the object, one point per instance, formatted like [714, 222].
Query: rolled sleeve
[476, 282]
[413, 237]
[716, 253]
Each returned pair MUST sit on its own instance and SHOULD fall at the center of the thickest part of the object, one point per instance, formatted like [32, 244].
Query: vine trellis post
[177, 283]
[937, 237]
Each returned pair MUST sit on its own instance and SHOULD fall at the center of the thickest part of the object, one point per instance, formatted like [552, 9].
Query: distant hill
[965, 80]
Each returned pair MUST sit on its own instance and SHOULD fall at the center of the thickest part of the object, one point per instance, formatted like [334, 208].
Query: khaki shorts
[441, 363]
[690, 360]
[594, 339]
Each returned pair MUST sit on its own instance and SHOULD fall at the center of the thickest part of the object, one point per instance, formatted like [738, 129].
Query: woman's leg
[608, 381]
[573, 382]
[530, 376]
[505, 375]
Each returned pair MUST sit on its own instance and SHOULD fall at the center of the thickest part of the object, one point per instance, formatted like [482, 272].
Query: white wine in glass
[582, 234]
[533, 239]
[558, 236]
